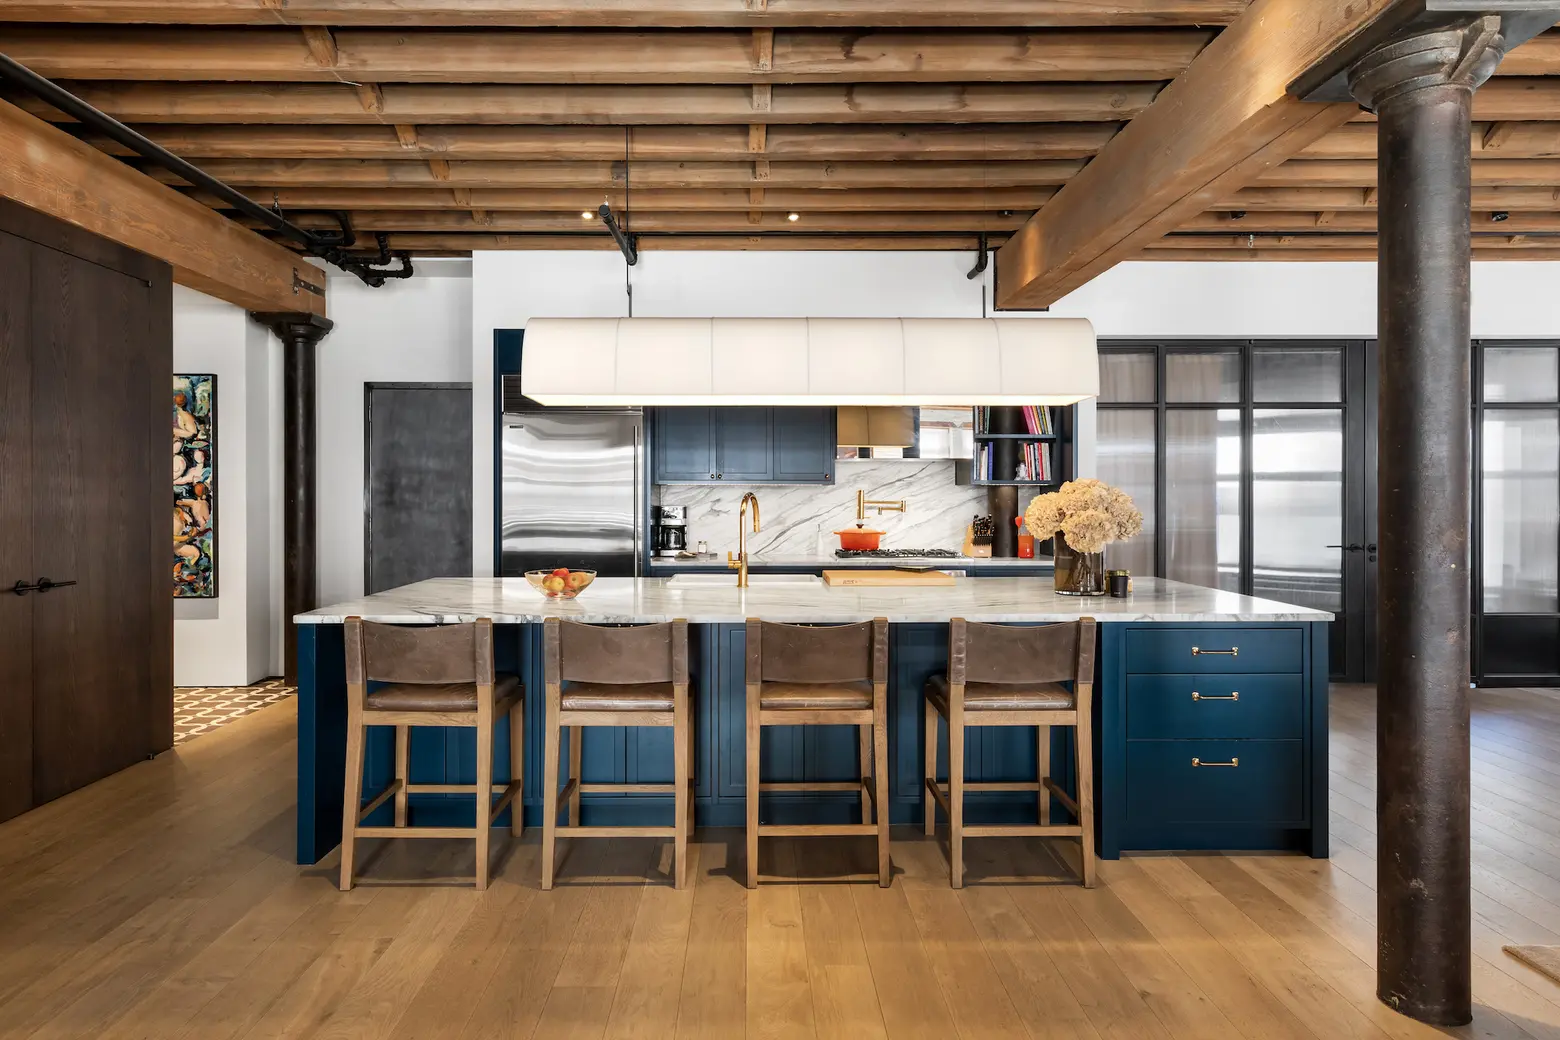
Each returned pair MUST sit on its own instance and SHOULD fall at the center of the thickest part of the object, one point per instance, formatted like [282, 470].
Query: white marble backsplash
[802, 518]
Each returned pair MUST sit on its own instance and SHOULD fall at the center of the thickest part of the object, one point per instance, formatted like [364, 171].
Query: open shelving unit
[1001, 433]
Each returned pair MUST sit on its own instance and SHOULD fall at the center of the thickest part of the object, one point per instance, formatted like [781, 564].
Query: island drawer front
[1207, 649]
[1270, 707]
[1266, 785]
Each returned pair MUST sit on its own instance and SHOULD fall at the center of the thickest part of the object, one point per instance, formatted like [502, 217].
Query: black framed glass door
[1249, 461]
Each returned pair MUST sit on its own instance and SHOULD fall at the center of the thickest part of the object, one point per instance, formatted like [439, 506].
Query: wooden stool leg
[352, 797]
[680, 770]
[752, 786]
[880, 782]
[693, 769]
[1084, 735]
[517, 767]
[484, 790]
[403, 744]
[576, 757]
[552, 733]
[1043, 771]
[863, 764]
[929, 768]
[956, 790]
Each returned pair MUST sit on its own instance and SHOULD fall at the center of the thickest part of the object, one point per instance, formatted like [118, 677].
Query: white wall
[233, 639]
[416, 331]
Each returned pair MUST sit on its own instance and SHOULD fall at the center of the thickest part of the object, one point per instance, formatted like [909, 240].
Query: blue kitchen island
[1187, 678]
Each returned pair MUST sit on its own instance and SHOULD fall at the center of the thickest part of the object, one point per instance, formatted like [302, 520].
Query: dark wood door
[15, 527]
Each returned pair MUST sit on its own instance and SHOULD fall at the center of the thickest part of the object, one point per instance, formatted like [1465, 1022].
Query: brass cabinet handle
[1235, 696]
[1233, 651]
[1232, 763]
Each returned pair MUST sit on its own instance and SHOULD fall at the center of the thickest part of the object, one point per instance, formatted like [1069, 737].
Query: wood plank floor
[161, 904]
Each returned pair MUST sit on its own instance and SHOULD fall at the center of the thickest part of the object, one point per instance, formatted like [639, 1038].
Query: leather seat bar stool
[1001, 675]
[600, 675]
[430, 677]
[834, 675]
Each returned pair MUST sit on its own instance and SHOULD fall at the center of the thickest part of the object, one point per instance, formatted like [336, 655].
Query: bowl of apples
[560, 583]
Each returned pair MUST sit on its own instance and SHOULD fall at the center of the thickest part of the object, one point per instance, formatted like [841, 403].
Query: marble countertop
[829, 561]
[627, 600]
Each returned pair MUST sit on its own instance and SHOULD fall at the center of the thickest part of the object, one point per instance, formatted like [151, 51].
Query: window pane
[1124, 456]
[1202, 497]
[1297, 506]
[1297, 374]
[1521, 500]
[1212, 378]
[1520, 374]
[1127, 378]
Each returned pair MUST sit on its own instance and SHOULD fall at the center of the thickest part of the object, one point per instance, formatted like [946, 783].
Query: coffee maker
[671, 530]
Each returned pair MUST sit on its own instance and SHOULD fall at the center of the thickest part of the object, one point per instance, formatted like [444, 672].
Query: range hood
[809, 361]
[859, 426]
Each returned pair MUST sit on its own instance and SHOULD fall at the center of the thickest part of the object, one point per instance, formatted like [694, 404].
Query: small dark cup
[1120, 582]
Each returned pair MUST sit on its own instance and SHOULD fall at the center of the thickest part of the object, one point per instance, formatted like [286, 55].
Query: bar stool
[608, 676]
[999, 675]
[432, 677]
[833, 675]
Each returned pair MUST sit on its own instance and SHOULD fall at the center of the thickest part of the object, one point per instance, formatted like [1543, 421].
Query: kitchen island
[1185, 675]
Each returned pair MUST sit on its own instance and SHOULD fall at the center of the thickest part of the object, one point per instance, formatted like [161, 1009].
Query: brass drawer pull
[1235, 696]
[1232, 763]
[1233, 651]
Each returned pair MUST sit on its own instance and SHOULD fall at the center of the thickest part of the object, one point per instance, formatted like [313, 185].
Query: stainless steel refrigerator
[572, 491]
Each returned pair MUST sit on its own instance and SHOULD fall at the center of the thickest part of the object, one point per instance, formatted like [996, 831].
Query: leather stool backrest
[982, 653]
[621, 656]
[817, 653]
[407, 654]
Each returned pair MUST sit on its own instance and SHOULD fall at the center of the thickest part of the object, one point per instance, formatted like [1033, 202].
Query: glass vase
[1079, 574]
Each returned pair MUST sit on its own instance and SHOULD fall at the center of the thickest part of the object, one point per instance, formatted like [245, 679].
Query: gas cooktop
[895, 554]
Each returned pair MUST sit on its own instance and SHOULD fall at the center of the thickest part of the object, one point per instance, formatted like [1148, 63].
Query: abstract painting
[194, 495]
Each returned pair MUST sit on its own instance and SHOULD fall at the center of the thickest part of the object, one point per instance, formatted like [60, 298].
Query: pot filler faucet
[739, 563]
[886, 505]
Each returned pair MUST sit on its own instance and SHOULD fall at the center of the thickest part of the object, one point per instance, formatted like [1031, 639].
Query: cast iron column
[1421, 88]
[300, 334]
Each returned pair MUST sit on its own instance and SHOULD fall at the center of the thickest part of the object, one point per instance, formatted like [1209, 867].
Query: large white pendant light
[802, 361]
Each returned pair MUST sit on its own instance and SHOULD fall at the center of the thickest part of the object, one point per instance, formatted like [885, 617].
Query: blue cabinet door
[684, 445]
[804, 445]
[742, 443]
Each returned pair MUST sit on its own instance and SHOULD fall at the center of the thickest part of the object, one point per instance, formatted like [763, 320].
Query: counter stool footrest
[999, 785]
[379, 799]
[415, 832]
[450, 788]
[1023, 830]
[616, 832]
[849, 786]
[814, 830]
[1062, 796]
[627, 789]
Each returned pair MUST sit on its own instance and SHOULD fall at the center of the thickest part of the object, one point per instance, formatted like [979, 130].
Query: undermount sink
[683, 581]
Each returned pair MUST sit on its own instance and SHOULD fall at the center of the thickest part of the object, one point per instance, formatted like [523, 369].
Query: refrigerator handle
[640, 513]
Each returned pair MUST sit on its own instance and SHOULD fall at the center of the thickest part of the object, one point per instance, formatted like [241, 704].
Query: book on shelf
[1037, 420]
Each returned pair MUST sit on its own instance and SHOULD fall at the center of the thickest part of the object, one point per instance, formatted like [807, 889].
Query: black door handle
[1350, 548]
[44, 584]
[21, 588]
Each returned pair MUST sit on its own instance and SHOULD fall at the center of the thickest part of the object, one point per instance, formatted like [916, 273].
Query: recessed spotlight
[793, 217]
[1500, 215]
[586, 214]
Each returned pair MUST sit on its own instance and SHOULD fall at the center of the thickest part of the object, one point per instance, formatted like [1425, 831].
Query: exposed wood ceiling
[454, 125]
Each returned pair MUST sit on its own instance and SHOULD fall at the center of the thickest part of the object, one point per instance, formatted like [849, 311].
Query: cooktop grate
[895, 554]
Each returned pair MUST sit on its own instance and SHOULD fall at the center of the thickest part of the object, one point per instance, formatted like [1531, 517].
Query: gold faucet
[863, 503]
[739, 563]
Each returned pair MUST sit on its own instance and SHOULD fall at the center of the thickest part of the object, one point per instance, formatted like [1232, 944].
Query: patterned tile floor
[201, 709]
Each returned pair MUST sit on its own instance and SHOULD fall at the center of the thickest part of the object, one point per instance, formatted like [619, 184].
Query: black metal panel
[418, 492]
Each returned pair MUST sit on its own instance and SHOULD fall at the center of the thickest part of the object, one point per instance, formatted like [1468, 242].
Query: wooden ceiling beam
[1227, 119]
[1342, 173]
[555, 56]
[1353, 220]
[636, 13]
[424, 104]
[1317, 199]
[325, 173]
[998, 142]
[48, 170]
[445, 243]
[575, 200]
[654, 221]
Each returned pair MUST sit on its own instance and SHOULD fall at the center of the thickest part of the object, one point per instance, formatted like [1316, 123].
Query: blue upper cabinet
[684, 445]
[744, 442]
[804, 445]
[744, 445]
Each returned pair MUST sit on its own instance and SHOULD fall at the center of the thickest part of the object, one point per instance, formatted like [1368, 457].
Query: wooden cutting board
[902, 578]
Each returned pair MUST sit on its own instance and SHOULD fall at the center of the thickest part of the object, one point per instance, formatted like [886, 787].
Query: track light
[625, 242]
